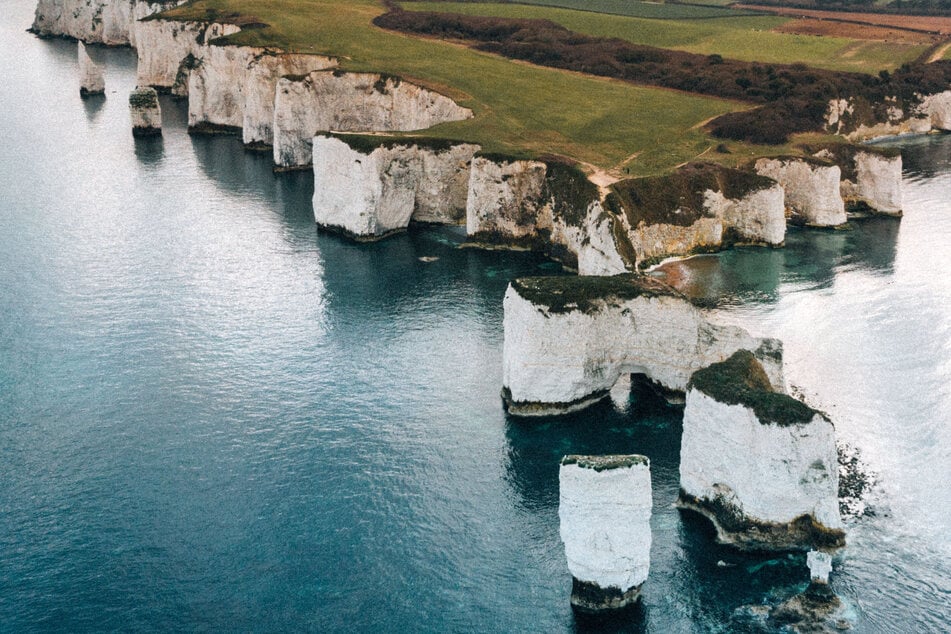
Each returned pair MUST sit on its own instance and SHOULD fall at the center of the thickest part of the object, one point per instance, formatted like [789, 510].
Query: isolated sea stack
[146, 112]
[91, 81]
[605, 512]
[759, 464]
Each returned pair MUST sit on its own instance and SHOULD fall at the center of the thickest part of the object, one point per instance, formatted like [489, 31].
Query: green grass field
[739, 37]
[519, 108]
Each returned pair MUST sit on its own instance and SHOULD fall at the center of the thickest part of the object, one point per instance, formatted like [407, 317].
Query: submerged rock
[812, 194]
[569, 339]
[146, 112]
[605, 510]
[368, 187]
[759, 464]
[91, 80]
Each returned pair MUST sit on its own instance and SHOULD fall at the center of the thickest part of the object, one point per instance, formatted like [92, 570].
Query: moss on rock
[741, 380]
[605, 463]
[588, 293]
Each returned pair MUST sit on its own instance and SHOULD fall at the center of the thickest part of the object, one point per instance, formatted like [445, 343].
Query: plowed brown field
[927, 24]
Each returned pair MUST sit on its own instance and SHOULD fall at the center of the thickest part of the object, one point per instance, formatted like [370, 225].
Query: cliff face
[871, 177]
[168, 49]
[350, 102]
[569, 339]
[109, 22]
[371, 192]
[549, 207]
[846, 117]
[604, 510]
[698, 208]
[233, 88]
[812, 195]
[761, 465]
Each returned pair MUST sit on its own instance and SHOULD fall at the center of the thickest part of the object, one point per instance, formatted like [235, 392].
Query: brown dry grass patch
[928, 24]
[853, 31]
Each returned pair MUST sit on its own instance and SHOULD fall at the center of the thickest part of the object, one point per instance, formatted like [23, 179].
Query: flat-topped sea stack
[368, 187]
[146, 112]
[759, 464]
[91, 80]
[337, 101]
[811, 186]
[871, 176]
[568, 340]
[698, 208]
[605, 511]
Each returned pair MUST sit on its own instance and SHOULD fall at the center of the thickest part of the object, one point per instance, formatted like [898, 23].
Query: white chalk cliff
[168, 49]
[91, 79]
[933, 112]
[336, 101]
[111, 22]
[604, 511]
[874, 182]
[550, 207]
[370, 192]
[761, 465]
[812, 194]
[569, 339]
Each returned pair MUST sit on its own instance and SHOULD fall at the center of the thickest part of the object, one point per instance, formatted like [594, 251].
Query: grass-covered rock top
[588, 294]
[678, 198]
[368, 143]
[606, 462]
[741, 380]
[143, 98]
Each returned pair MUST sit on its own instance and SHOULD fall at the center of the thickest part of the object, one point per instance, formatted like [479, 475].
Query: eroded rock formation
[871, 177]
[91, 79]
[146, 112]
[111, 22]
[368, 187]
[811, 186]
[336, 101]
[759, 464]
[169, 49]
[605, 510]
[698, 208]
[853, 118]
[569, 339]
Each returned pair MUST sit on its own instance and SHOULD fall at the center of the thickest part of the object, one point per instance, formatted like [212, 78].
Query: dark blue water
[213, 417]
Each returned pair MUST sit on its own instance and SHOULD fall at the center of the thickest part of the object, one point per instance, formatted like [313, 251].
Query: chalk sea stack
[759, 464]
[91, 80]
[605, 511]
[146, 112]
[569, 339]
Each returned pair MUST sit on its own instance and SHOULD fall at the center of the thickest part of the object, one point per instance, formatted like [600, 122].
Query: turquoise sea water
[213, 417]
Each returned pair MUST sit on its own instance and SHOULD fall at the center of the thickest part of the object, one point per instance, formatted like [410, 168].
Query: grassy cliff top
[519, 109]
[741, 380]
[677, 198]
[587, 294]
[607, 462]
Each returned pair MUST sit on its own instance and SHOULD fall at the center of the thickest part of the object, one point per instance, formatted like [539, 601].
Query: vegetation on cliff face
[677, 198]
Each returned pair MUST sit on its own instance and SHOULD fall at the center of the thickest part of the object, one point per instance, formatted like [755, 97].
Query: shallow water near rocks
[213, 417]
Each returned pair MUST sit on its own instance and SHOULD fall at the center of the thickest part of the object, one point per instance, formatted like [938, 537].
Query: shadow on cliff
[811, 260]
